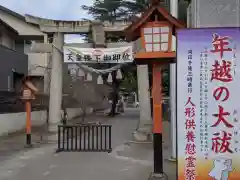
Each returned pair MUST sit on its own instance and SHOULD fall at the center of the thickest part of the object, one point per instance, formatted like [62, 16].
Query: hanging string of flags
[99, 71]
[85, 71]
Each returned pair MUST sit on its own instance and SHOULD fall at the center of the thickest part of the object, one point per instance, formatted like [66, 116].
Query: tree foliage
[112, 10]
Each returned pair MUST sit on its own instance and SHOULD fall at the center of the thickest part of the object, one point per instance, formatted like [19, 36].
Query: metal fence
[85, 138]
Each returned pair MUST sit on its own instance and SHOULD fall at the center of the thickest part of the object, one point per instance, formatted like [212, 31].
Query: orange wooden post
[157, 119]
[27, 96]
[28, 123]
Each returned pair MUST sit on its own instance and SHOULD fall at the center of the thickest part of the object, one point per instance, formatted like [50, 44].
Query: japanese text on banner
[222, 72]
[90, 55]
[190, 126]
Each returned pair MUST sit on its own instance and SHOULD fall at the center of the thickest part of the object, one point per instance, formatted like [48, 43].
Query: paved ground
[15, 142]
[128, 161]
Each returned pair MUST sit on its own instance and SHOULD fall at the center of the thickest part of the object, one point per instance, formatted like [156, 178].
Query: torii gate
[56, 30]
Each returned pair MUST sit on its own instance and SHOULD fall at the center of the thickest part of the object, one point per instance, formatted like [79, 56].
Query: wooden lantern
[154, 31]
[28, 90]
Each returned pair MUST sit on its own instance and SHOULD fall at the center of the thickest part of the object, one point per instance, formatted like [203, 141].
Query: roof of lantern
[132, 32]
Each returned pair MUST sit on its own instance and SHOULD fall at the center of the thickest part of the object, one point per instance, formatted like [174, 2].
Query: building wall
[10, 123]
[19, 46]
[38, 81]
[7, 41]
[37, 63]
[192, 14]
[215, 13]
[11, 61]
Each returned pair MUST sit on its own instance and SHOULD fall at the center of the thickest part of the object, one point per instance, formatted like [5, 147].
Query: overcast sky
[52, 9]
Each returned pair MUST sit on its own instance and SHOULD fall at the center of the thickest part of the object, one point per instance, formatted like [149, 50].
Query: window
[156, 38]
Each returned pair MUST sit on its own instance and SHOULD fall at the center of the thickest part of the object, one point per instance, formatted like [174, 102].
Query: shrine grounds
[128, 160]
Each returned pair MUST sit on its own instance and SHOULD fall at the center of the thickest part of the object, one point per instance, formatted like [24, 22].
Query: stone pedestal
[144, 129]
[56, 82]
[154, 176]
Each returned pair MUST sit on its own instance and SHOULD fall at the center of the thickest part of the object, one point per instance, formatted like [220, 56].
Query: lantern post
[27, 96]
[155, 30]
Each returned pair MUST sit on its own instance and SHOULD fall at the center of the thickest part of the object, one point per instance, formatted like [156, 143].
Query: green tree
[105, 10]
[112, 10]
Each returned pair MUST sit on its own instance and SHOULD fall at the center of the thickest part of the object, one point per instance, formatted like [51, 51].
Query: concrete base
[28, 146]
[154, 176]
[53, 128]
[140, 136]
[143, 132]
[52, 138]
[172, 159]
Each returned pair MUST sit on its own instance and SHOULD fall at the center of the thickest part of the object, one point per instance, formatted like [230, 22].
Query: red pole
[157, 119]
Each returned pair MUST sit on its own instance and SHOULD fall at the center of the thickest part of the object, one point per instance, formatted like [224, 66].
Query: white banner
[98, 55]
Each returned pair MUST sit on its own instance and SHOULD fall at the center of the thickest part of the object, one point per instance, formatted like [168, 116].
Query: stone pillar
[98, 34]
[173, 104]
[56, 82]
[144, 130]
[46, 74]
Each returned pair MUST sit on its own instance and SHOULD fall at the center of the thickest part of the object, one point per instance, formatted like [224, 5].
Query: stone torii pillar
[55, 102]
[98, 34]
[144, 130]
